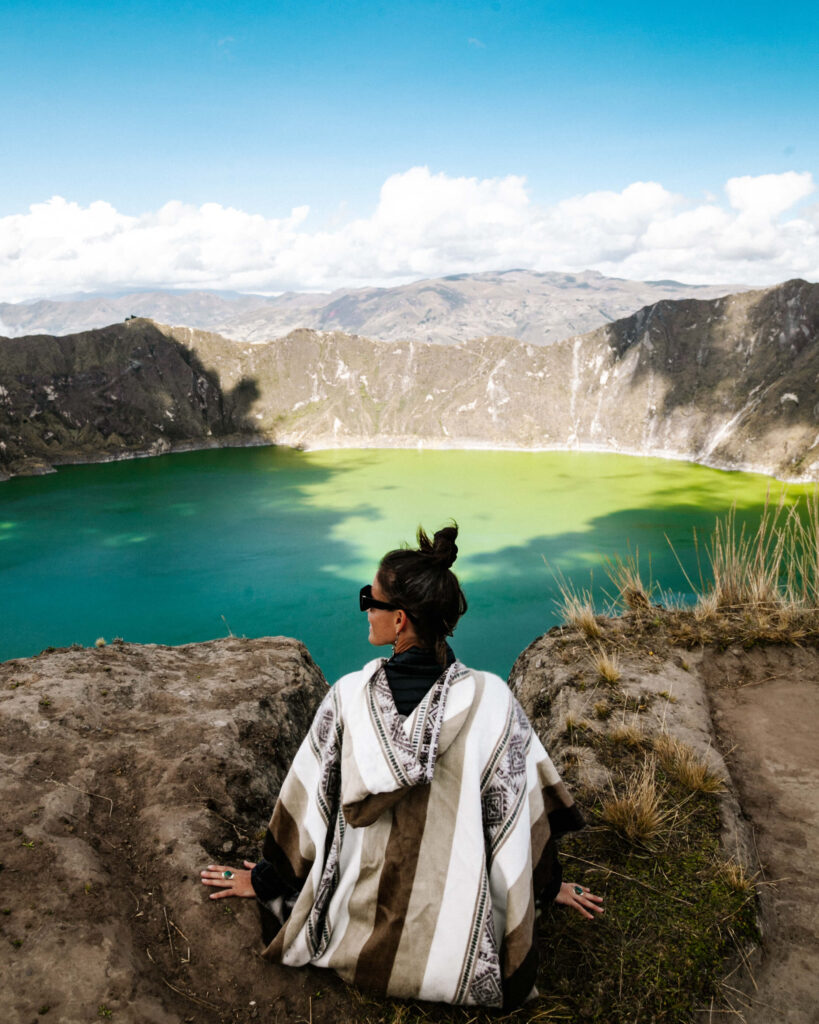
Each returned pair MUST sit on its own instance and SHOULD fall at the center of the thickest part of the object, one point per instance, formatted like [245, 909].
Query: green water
[266, 541]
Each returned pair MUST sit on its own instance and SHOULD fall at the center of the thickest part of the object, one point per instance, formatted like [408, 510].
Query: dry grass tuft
[574, 724]
[745, 566]
[607, 665]
[768, 575]
[630, 736]
[735, 875]
[683, 763]
[578, 610]
[576, 607]
[637, 812]
[707, 607]
[624, 573]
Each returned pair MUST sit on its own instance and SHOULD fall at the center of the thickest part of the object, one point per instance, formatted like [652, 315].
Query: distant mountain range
[730, 382]
[536, 308]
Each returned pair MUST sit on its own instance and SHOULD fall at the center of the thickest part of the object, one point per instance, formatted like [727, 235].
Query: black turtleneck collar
[411, 673]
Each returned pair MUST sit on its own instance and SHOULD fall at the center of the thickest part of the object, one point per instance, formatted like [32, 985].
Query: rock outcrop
[125, 770]
[729, 382]
[751, 717]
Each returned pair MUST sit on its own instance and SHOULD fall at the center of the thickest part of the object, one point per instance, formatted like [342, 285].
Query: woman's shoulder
[492, 693]
[493, 686]
[353, 680]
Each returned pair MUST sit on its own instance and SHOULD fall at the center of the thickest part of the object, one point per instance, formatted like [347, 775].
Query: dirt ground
[766, 711]
[125, 769]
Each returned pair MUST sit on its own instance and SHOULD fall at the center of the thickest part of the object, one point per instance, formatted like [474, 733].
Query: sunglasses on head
[366, 600]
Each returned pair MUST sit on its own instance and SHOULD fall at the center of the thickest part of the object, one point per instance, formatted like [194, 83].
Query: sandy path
[773, 728]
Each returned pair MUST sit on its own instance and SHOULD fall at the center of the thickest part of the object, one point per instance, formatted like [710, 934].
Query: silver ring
[578, 890]
[227, 874]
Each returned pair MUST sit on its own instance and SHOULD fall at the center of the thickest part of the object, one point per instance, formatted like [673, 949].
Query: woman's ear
[400, 619]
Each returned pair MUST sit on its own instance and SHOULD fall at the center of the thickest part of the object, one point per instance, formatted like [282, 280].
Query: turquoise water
[264, 541]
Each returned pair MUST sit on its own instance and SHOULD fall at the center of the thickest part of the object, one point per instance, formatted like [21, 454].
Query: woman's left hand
[579, 898]
[231, 881]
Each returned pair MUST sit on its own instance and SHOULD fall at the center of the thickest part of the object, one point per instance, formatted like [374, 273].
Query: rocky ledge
[125, 768]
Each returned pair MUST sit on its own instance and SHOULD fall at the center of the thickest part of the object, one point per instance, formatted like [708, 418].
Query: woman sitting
[415, 832]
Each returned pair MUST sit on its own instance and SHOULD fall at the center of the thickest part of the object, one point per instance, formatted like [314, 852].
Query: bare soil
[123, 771]
[766, 711]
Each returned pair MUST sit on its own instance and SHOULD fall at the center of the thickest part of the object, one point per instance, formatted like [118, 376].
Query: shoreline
[401, 444]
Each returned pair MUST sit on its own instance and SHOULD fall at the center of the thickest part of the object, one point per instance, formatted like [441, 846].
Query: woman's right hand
[230, 881]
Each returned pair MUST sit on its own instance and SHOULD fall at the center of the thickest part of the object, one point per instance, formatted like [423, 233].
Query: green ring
[578, 890]
[229, 874]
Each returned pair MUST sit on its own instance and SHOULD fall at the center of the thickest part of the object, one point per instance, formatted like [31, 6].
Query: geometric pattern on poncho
[325, 742]
[480, 980]
[503, 783]
[411, 758]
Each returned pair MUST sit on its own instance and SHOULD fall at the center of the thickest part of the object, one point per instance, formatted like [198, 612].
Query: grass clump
[681, 762]
[607, 665]
[578, 610]
[624, 573]
[576, 607]
[762, 583]
[574, 725]
[735, 875]
[628, 735]
[636, 811]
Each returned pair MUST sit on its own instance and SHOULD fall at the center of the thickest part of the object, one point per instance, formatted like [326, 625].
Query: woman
[416, 829]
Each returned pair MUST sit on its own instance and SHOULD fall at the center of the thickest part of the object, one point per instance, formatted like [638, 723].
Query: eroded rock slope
[729, 382]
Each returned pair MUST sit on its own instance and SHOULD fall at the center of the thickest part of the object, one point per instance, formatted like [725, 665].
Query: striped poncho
[412, 848]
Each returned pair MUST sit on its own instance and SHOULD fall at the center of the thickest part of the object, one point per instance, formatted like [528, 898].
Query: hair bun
[442, 547]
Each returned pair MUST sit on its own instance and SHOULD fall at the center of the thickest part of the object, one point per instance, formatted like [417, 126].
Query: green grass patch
[674, 916]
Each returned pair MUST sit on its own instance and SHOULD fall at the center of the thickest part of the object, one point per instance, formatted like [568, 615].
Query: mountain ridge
[539, 308]
[728, 382]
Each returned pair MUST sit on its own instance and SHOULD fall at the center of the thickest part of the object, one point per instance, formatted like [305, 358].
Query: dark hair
[420, 581]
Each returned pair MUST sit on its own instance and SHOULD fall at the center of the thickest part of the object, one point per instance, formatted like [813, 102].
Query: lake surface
[265, 541]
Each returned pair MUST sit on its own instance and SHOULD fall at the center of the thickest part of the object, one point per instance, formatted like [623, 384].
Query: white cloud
[424, 224]
[768, 195]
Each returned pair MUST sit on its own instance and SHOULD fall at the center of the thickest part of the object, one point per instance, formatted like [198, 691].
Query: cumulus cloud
[424, 224]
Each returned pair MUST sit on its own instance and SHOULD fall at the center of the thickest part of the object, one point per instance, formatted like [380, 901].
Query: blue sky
[267, 107]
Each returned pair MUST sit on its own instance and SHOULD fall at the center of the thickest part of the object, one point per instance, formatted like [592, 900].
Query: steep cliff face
[729, 382]
[125, 389]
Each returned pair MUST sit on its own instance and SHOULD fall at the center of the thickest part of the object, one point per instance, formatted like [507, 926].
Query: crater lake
[273, 541]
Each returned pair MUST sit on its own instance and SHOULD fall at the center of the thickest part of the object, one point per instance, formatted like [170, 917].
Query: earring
[395, 641]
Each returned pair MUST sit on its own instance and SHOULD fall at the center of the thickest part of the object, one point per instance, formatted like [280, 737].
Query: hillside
[728, 382]
[538, 308]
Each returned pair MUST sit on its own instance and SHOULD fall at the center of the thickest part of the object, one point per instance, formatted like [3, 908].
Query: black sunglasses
[366, 600]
